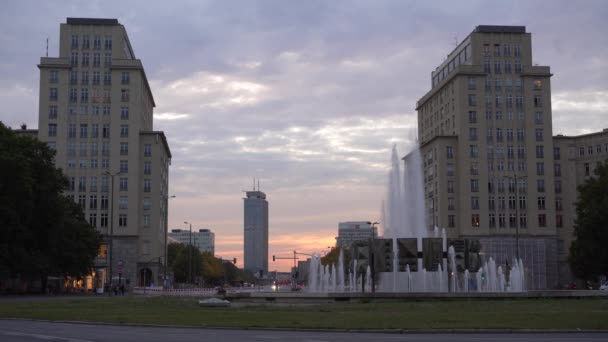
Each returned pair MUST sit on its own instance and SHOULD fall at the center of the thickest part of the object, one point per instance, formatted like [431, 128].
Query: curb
[361, 331]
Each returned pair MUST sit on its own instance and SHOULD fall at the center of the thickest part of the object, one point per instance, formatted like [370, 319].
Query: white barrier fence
[195, 292]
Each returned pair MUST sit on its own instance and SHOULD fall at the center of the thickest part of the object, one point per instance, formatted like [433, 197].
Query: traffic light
[273, 258]
[234, 261]
[383, 250]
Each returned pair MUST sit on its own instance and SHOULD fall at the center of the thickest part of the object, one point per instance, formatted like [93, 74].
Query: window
[475, 220]
[124, 95]
[472, 116]
[538, 101]
[94, 131]
[108, 43]
[53, 94]
[520, 134]
[538, 118]
[148, 168]
[82, 183]
[501, 185]
[83, 130]
[125, 77]
[517, 66]
[123, 202]
[94, 165]
[105, 163]
[147, 204]
[93, 219]
[124, 113]
[451, 205]
[497, 67]
[541, 203]
[474, 185]
[93, 202]
[474, 151]
[124, 131]
[103, 220]
[598, 148]
[93, 187]
[496, 50]
[73, 95]
[147, 150]
[106, 110]
[542, 220]
[557, 170]
[96, 42]
[507, 67]
[104, 202]
[559, 221]
[472, 100]
[523, 221]
[491, 186]
[107, 59]
[82, 201]
[124, 148]
[492, 221]
[74, 41]
[475, 203]
[540, 185]
[53, 76]
[491, 203]
[83, 163]
[146, 220]
[539, 134]
[498, 115]
[587, 169]
[472, 84]
[512, 220]
[558, 204]
[74, 59]
[486, 66]
[511, 185]
[105, 132]
[147, 185]
[122, 220]
[107, 78]
[590, 150]
[540, 169]
[52, 130]
[72, 131]
[472, 133]
[96, 60]
[450, 187]
[85, 41]
[449, 152]
[104, 187]
[509, 134]
[474, 169]
[498, 83]
[522, 202]
[124, 184]
[124, 166]
[501, 220]
[540, 151]
[85, 59]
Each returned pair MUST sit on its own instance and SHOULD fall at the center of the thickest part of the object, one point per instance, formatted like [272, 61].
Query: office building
[203, 239]
[349, 232]
[95, 110]
[256, 233]
[574, 161]
[485, 133]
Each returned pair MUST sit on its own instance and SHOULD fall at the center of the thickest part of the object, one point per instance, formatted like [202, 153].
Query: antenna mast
[47, 46]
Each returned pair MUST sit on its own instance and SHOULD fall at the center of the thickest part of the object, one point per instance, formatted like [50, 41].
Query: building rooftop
[499, 29]
[91, 21]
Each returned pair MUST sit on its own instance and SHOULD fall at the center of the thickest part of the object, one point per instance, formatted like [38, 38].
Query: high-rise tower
[256, 232]
[96, 110]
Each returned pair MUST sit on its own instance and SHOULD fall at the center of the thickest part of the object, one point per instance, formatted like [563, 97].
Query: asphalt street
[22, 330]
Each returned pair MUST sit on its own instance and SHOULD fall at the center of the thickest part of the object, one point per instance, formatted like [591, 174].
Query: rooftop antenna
[253, 183]
[47, 46]
[455, 41]
[258, 185]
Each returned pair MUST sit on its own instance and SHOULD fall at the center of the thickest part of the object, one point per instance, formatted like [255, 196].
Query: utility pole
[166, 199]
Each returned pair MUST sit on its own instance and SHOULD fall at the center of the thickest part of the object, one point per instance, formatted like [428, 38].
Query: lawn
[499, 314]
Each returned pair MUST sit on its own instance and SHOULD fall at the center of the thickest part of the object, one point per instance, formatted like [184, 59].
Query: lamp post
[111, 235]
[166, 198]
[189, 254]
[372, 255]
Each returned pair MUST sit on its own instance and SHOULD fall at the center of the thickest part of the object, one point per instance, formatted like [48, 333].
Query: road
[34, 331]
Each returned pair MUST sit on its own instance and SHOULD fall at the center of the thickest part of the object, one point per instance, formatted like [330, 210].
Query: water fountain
[404, 216]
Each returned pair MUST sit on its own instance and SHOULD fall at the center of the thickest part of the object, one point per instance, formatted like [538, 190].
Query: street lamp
[166, 198]
[189, 254]
[372, 255]
[111, 235]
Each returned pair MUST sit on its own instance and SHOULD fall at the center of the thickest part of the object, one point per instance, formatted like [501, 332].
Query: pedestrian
[122, 289]
[115, 288]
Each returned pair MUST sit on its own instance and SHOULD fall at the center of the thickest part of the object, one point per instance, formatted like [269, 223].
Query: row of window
[125, 77]
[598, 149]
[84, 110]
[509, 100]
[502, 67]
[82, 184]
[84, 62]
[84, 95]
[122, 220]
[505, 48]
[96, 42]
[105, 164]
[502, 220]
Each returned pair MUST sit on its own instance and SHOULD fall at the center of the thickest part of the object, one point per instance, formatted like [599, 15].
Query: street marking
[43, 337]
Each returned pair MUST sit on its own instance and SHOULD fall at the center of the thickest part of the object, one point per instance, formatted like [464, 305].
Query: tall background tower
[256, 232]
[96, 111]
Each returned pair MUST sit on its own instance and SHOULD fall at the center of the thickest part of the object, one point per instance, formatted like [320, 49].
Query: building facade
[96, 111]
[256, 233]
[349, 232]
[203, 239]
[574, 161]
[485, 133]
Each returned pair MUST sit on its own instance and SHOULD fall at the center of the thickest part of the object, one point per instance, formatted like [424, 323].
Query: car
[604, 286]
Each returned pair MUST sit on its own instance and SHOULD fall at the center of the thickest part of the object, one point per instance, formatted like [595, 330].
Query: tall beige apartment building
[485, 133]
[96, 111]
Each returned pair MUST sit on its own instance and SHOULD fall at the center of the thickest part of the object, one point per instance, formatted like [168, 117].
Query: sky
[307, 96]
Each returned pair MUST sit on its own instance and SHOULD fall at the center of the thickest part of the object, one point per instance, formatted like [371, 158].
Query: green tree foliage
[333, 256]
[589, 251]
[186, 257]
[42, 232]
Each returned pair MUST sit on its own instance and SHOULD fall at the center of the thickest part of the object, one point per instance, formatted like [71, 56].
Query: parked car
[604, 286]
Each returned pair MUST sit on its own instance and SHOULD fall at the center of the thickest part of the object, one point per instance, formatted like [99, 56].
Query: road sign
[120, 266]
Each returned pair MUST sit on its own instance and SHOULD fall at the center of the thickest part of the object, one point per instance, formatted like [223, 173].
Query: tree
[588, 253]
[43, 232]
[185, 257]
[333, 256]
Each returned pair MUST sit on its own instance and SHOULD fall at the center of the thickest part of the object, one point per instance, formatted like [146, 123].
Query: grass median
[486, 314]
